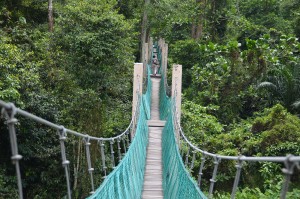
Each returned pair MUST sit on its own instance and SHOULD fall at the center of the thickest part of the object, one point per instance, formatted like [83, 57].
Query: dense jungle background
[71, 62]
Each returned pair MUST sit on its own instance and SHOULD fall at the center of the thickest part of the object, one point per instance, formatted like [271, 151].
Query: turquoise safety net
[126, 180]
[164, 100]
[177, 182]
[159, 57]
[147, 96]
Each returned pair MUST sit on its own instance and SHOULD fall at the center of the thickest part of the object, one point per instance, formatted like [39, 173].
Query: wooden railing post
[176, 91]
[137, 87]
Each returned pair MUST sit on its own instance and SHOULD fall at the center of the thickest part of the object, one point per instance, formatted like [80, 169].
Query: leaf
[296, 104]
[267, 85]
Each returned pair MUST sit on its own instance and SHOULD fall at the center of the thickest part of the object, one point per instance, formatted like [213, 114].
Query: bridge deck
[153, 172]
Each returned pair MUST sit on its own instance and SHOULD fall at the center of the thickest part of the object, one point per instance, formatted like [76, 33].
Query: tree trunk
[77, 164]
[199, 30]
[50, 15]
[144, 31]
[197, 26]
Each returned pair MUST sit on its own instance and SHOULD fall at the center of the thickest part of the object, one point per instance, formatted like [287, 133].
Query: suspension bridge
[152, 158]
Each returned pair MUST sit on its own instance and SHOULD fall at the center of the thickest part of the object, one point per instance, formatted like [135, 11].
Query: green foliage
[7, 188]
[279, 131]
[17, 71]
[254, 66]
[266, 13]
[273, 132]
[245, 60]
[198, 122]
[100, 41]
[248, 193]
[78, 76]
[227, 75]
[224, 77]
[167, 17]
[178, 53]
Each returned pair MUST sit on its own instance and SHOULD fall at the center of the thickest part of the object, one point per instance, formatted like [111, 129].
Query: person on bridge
[155, 65]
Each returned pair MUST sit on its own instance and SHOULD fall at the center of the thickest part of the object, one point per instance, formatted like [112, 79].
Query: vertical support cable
[10, 113]
[187, 156]
[238, 166]
[214, 175]
[88, 159]
[201, 169]
[102, 156]
[119, 149]
[124, 145]
[127, 139]
[112, 153]
[182, 149]
[130, 130]
[288, 172]
[179, 141]
[193, 160]
[62, 137]
[136, 118]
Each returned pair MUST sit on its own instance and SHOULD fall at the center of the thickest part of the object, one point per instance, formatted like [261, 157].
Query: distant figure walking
[155, 65]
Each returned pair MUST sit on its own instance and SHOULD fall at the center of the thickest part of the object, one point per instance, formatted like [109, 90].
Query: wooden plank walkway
[153, 172]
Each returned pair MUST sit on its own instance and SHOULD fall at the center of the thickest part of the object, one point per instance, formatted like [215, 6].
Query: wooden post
[162, 45]
[165, 64]
[159, 42]
[142, 58]
[137, 87]
[144, 29]
[145, 60]
[50, 15]
[176, 86]
[150, 47]
[146, 56]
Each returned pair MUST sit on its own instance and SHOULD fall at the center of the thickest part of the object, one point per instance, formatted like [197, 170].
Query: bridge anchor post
[137, 88]
[176, 93]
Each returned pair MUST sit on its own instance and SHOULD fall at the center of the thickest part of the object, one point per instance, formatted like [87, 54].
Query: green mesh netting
[126, 180]
[147, 96]
[177, 182]
[164, 100]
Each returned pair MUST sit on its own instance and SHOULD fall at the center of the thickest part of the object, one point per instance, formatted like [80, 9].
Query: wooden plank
[156, 123]
[153, 171]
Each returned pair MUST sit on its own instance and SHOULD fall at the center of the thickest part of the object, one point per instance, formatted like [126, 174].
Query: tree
[197, 25]
[50, 15]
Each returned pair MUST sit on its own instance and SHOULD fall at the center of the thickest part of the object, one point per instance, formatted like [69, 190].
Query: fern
[296, 104]
[267, 85]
